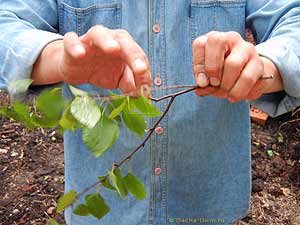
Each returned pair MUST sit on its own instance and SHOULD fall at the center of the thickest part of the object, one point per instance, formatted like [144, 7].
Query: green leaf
[135, 122]
[131, 103]
[105, 182]
[102, 136]
[43, 122]
[68, 122]
[19, 112]
[118, 118]
[96, 205]
[135, 186]
[19, 86]
[8, 112]
[116, 111]
[270, 153]
[117, 182]
[66, 200]
[81, 210]
[51, 104]
[77, 92]
[22, 114]
[86, 111]
[280, 138]
[51, 222]
[146, 107]
[117, 99]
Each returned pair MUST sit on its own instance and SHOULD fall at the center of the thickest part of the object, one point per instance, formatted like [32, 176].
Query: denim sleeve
[27, 27]
[276, 28]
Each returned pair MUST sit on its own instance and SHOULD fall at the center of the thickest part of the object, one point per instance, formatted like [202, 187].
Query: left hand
[226, 66]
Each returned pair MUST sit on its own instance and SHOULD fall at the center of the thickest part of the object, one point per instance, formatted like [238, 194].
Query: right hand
[105, 58]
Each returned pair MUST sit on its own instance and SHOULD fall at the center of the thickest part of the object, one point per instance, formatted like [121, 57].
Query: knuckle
[235, 96]
[198, 68]
[249, 79]
[137, 53]
[249, 47]
[232, 63]
[212, 70]
[98, 26]
[70, 36]
[218, 39]
[96, 29]
[143, 55]
[198, 42]
[122, 33]
[212, 33]
[71, 33]
[260, 66]
[234, 34]
[225, 86]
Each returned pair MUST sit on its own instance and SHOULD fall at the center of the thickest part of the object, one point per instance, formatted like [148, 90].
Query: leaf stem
[149, 134]
[139, 147]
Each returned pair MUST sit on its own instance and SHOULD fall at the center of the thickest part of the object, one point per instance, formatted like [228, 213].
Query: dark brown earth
[32, 176]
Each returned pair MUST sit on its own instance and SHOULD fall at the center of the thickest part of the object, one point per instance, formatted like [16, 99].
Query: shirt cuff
[20, 56]
[288, 64]
[276, 104]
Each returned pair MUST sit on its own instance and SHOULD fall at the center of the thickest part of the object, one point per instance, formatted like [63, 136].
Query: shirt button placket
[159, 139]
[158, 81]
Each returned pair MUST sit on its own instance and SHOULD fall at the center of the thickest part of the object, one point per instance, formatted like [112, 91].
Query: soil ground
[32, 176]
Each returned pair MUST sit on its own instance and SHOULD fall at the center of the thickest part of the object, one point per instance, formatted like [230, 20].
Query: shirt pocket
[217, 15]
[80, 20]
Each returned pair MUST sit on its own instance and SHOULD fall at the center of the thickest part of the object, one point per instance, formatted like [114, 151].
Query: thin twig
[288, 122]
[149, 134]
[175, 94]
[90, 187]
[131, 154]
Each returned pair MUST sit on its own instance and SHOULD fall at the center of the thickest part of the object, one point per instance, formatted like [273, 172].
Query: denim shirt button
[157, 81]
[156, 28]
[157, 171]
[159, 130]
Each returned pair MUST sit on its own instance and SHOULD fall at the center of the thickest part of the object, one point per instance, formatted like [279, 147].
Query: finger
[219, 45]
[234, 64]
[206, 91]
[198, 49]
[127, 83]
[102, 38]
[135, 58]
[220, 93]
[215, 50]
[72, 46]
[202, 80]
[256, 91]
[249, 76]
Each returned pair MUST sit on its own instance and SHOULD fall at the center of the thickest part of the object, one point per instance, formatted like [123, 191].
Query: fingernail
[202, 80]
[112, 44]
[214, 81]
[78, 49]
[140, 64]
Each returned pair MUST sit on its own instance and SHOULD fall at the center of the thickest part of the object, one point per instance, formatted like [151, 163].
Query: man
[196, 168]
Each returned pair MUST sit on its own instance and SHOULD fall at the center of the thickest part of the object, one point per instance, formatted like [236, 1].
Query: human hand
[226, 66]
[103, 57]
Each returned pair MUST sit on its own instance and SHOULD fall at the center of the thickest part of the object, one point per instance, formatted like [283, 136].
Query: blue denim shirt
[204, 150]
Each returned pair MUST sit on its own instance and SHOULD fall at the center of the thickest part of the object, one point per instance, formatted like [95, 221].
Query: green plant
[99, 118]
